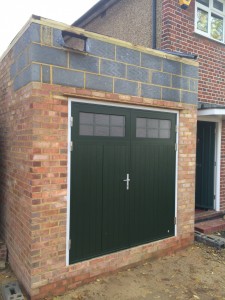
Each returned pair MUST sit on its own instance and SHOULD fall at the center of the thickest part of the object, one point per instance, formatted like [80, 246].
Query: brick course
[34, 145]
[3, 254]
[178, 35]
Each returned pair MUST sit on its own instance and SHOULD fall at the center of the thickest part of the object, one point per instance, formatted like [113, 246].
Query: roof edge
[93, 12]
[87, 34]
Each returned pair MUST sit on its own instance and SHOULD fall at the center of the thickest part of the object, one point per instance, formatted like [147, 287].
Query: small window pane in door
[101, 125]
[164, 134]
[153, 133]
[153, 128]
[117, 131]
[165, 124]
[141, 122]
[102, 119]
[101, 131]
[86, 130]
[153, 123]
[117, 120]
[141, 132]
[86, 118]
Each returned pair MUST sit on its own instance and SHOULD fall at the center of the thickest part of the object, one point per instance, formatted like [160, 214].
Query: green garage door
[122, 179]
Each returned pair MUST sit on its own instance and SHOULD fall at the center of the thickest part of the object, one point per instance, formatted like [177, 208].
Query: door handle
[127, 180]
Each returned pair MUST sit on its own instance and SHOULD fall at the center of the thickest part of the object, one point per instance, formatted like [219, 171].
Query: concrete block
[57, 38]
[68, 77]
[150, 91]
[34, 31]
[137, 74]
[12, 71]
[171, 95]
[189, 97]
[126, 87]
[100, 48]
[31, 73]
[12, 291]
[180, 82]
[46, 74]
[47, 55]
[128, 55]
[171, 66]
[84, 62]
[160, 78]
[112, 68]
[194, 85]
[189, 71]
[210, 240]
[46, 35]
[22, 61]
[32, 34]
[151, 61]
[96, 82]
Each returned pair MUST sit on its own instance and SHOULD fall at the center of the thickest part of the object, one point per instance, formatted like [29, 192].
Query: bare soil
[197, 272]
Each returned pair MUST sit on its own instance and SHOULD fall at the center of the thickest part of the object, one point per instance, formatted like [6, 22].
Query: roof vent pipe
[154, 27]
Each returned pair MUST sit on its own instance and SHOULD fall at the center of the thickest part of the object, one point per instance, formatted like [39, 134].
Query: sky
[15, 14]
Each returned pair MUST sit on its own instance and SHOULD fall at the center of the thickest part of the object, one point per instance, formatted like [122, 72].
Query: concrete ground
[197, 272]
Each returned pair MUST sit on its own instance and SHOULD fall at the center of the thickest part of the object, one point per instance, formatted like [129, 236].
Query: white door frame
[78, 100]
[209, 116]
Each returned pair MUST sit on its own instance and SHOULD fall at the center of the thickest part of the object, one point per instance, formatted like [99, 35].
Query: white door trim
[78, 100]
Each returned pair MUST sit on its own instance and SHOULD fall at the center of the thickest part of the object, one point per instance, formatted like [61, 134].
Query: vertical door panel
[204, 194]
[115, 230]
[86, 201]
[152, 192]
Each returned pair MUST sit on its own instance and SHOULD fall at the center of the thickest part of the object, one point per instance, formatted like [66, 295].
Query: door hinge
[69, 244]
[176, 129]
[71, 146]
[214, 197]
[71, 121]
[175, 220]
[214, 163]
[176, 147]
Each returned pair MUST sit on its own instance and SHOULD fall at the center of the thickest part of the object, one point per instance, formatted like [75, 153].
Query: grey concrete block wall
[31, 73]
[103, 66]
[68, 77]
[151, 62]
[32, 34]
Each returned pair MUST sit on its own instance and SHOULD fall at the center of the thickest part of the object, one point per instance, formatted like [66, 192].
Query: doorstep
[205, 215]
[210, 226]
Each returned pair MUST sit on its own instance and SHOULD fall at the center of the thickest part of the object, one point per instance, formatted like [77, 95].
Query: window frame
[210, 10]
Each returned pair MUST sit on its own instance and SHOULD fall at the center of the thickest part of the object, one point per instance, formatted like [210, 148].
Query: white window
[210, 19]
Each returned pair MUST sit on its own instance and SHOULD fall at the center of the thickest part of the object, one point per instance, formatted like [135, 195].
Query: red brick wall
[3, 253]
[49, 273]
[178, 35]
[222, 178]
[15, 163]
[36, 190]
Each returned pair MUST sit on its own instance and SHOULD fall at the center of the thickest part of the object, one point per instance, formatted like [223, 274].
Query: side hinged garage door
[122, 179]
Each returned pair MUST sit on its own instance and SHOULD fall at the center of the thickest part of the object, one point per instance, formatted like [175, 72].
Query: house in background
[98, 146]
[199, 30]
